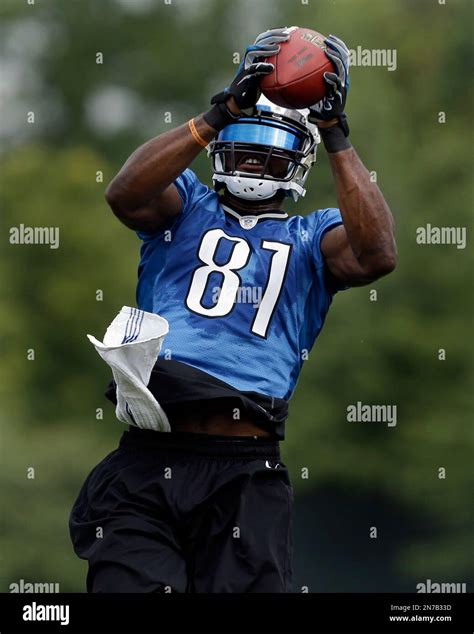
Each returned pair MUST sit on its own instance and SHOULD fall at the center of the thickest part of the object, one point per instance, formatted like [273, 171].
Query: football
[297, 81]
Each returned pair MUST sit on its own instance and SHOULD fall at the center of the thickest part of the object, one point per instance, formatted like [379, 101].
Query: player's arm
[363, 249]
[143, 195]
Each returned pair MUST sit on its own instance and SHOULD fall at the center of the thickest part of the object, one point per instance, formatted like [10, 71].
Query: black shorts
[182, 512]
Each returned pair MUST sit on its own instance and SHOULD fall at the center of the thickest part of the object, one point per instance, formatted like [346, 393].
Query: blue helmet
[271, 132]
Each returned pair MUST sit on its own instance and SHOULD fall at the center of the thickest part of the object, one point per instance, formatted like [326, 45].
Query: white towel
[131, 346]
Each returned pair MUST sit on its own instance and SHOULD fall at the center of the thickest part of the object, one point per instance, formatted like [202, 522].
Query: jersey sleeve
[191, 191]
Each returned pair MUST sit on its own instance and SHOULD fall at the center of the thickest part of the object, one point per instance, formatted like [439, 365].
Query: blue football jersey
[245, 297]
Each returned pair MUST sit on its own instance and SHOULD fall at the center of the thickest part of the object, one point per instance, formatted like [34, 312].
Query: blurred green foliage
[161, 58]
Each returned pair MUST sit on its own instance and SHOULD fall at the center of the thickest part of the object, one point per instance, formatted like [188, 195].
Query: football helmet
[271, 136]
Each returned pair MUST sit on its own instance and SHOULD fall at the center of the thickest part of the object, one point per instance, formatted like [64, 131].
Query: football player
[208, 506]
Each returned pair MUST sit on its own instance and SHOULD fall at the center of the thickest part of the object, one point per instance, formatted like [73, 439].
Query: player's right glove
[245, 86]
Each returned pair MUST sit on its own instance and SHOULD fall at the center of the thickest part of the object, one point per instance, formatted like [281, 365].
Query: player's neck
[250, 207]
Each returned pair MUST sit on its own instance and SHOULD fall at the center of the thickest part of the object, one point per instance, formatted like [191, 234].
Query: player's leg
[121, 524]
[243, 539]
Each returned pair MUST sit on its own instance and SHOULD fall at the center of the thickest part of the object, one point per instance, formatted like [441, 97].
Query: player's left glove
[333, 104]
[245, 86]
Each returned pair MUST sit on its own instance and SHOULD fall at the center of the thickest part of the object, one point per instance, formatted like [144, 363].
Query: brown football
[297, 81]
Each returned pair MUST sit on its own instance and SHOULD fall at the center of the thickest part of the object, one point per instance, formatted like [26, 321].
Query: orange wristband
[196, 136]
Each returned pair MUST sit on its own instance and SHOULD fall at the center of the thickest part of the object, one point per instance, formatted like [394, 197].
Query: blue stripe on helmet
[275, 135]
